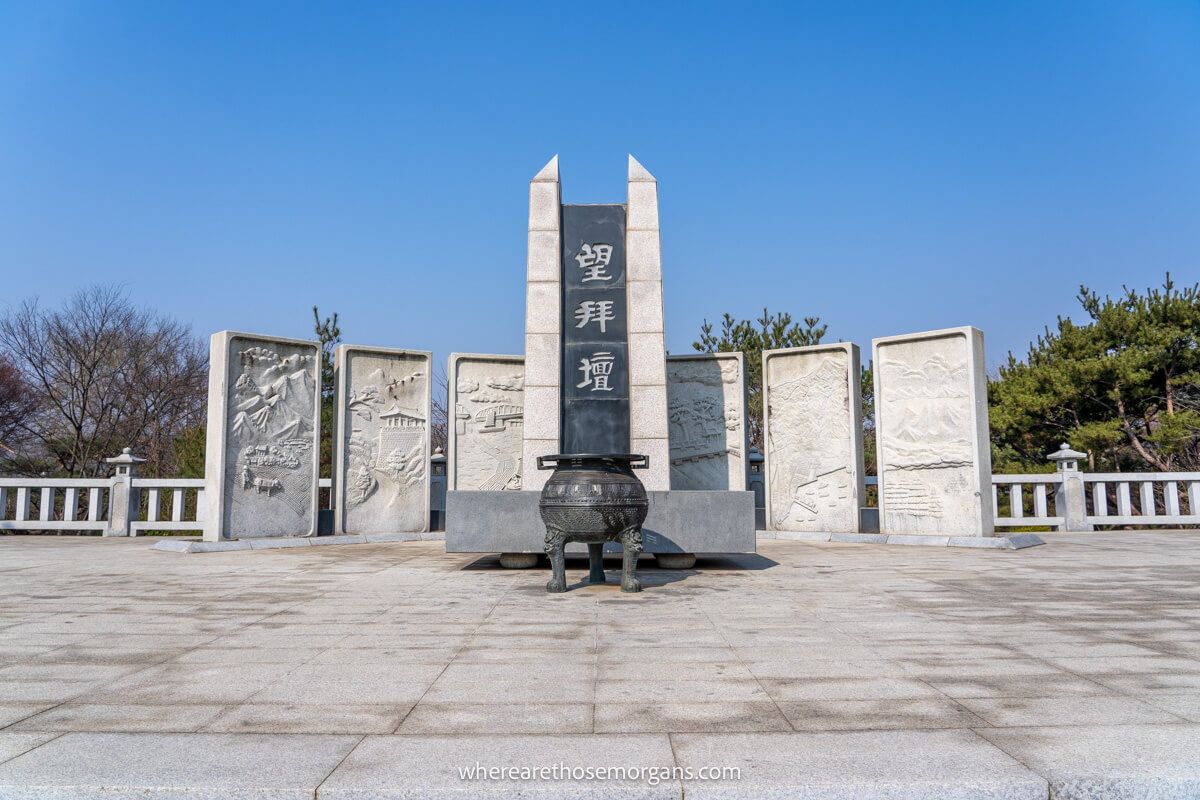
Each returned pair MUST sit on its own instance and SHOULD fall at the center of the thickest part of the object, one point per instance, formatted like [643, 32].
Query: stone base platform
[1012, 541]
[678, 522]
[177, 545]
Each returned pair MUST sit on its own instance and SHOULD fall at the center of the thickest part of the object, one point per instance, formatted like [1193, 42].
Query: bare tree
[438, 432]
[103, 375]
[16, 403]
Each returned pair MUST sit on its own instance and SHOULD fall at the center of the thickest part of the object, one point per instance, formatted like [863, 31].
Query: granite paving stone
[910, 713]
[14, 744]
[947, 765]
[189, 766]
[1070, 710]
[409, 767]
[430, 717]
[655, 716]
[862, 687]
[1114, 762]
[1017, 686]
[307, 718]
[1185, 706]
[124, 717]
[12, 713]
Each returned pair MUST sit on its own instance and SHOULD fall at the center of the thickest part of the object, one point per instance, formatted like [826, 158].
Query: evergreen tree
[1124, 387]
[768, 332]
[330, 334]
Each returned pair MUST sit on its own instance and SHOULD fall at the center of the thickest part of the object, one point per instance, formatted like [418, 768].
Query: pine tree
[1124, 387]
[773, 331]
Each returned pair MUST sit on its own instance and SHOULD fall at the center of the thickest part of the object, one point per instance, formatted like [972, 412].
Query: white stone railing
[123, 505]
[54, 504]
[1009, 495]
[1070, 500]
[172, 504]
[1142, 498]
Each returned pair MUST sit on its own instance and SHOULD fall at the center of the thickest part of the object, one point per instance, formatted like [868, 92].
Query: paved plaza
[816, 669]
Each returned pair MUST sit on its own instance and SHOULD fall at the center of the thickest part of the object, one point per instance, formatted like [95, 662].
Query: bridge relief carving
[488, 402]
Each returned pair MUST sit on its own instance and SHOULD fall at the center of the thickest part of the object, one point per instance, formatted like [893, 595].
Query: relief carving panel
[487, 422]
[382, 457]
[930, 452]
[270, 438]
[813, 438]
[706, 430]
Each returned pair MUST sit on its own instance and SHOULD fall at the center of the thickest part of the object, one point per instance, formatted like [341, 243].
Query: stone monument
[812, 431]
[487, 422]
[931, 424]
[706, 411]
[626, 301]
[381, 440]
[595, 380]
[263, 442]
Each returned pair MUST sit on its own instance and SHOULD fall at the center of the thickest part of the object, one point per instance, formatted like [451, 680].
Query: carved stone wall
[812, 415]
[263, 437]
[706, 415]
[381, 441]
[931, 425]
[487, 422]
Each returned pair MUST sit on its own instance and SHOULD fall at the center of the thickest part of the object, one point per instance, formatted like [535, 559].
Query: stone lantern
[1070, 498]
[123, 500]
[1066, 459]
[757, 483]
[437, 491]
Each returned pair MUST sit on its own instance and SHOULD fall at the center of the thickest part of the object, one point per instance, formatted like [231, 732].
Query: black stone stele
[595, 331]
[593, 499]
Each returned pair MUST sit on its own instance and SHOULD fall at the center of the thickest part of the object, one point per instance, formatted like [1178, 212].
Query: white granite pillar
[647, 349]
[543, 325]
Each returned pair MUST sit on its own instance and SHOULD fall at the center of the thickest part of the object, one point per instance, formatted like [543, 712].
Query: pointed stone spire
[639, 173]
[543, 324]
[647, 348]
[550, 171]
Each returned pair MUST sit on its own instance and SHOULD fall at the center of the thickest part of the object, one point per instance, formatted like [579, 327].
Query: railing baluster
[21, 512]
[199, 505]
[1146, 491]
[152, 507]
[1100, 498]
[3, 503]
[1124, 506]
[70, 504]
[995, 500]
[1194, 498]
[1171, 498]
[45, 504]
[93, 510]
[1039, 500]
[1016, 503]
[177, 505]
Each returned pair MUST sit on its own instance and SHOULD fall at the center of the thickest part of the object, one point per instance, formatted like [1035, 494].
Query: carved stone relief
[487, 417]
[270, 410]
[813, 438]
[382, 458]
[931, 454]
[706, 412]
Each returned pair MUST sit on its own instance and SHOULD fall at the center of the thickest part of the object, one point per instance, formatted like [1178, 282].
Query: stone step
[1062, 763]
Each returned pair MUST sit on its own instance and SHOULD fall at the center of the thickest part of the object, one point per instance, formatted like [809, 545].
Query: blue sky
[888, 166]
